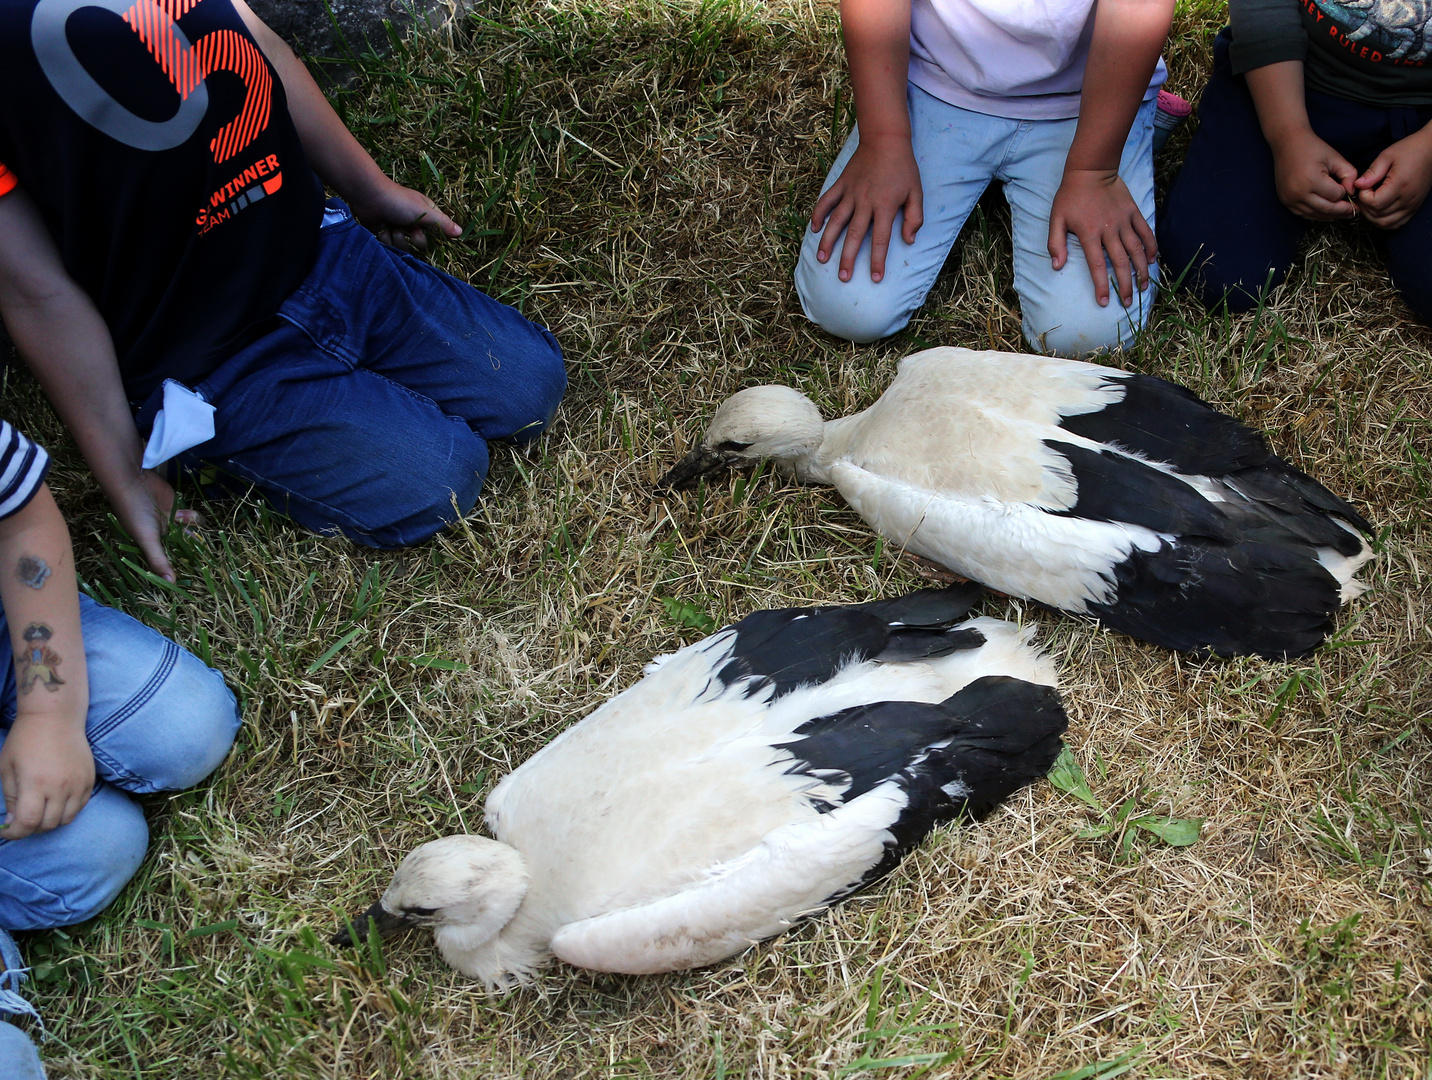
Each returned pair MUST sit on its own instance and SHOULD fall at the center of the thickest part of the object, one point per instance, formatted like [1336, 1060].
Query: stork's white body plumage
[748, 780]
[1086, 488]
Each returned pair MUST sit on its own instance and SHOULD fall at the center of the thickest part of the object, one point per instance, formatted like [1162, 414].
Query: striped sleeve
[23, 465]
[7, 180]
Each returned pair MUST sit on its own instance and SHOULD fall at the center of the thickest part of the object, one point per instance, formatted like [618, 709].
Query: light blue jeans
[959, 152]
[159, 720]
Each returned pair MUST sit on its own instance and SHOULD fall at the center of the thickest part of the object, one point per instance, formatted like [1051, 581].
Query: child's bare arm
[399, 215]
[67, 345]
[1092, 202]
[882, 177]
[46, 767]
[1313, 180]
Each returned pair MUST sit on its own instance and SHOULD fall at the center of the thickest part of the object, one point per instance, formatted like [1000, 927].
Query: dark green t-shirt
[1373, 51]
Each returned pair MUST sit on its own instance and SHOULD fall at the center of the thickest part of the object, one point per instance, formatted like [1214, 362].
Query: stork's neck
[814, 468]
[513, 955]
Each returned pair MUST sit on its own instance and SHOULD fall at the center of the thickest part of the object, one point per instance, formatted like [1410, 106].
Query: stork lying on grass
[746, 781]
[1086, 488]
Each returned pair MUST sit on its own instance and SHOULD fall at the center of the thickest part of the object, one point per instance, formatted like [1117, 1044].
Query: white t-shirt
[1022, 59]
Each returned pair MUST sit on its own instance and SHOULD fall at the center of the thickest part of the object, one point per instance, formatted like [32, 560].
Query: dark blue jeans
[1223, 221]
[368, 409]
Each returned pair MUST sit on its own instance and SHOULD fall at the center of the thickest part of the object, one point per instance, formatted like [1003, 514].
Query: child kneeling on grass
[1316, 111]
[165, 250]
[94, 707]
[1056, 101]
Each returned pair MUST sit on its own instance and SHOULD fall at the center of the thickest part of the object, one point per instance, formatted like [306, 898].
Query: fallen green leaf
[1068, 777]
[684, 613]
[1177, 832]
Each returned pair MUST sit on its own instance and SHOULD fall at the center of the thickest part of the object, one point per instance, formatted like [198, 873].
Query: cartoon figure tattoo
[33, 571]
[37, 663]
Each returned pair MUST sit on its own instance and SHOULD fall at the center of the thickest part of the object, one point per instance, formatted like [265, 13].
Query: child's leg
[158, 720]
[1223, 226]
[367, 411]
[72, 873]
[1407, 259]
[1061, 313]
[957, 152]
[478, 360]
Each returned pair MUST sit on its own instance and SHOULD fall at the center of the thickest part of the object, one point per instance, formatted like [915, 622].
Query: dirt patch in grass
[636, 177]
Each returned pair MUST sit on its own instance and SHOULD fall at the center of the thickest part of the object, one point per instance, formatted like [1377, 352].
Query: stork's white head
[461, 883]
[760, 422]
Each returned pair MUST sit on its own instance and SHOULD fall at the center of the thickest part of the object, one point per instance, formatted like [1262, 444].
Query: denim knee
[160, 720]
[435, 496]
[547, 377]
[72, 873]
[857, 310]
[19, 1060]
[191, 727]
[1085, 329]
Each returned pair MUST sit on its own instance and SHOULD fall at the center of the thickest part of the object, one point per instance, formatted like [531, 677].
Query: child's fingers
[880, 233]
[1094, 256]
[1342, 170]
[1376, 172]
[26, 816]
[1058, 240]
[835, 221]
[914, 215]
[1138, 256]
[153, 551]
[828, 201]
[53, 815]
[10, 787]
[73, 805]
[854, 237]
[1147, 240]
[1118, 257]
[1319, 208]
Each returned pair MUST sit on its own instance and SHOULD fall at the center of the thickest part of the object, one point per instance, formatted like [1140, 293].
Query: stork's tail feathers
[1267, 599]
[1008, 736]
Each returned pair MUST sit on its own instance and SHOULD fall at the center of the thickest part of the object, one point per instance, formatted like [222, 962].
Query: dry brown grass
[635, 176]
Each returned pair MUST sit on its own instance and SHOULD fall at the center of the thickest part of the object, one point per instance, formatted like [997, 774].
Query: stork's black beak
[377, 915]
[700, 462]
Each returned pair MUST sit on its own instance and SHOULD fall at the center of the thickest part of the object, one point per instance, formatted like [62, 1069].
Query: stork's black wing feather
[1166, 422]
[961, 755]
[793, 647]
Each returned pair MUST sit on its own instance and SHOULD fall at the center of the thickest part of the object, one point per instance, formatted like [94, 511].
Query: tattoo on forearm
[33, 571]
[38, 662]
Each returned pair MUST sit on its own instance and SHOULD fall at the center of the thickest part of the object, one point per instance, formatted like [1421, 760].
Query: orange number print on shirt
[187, 65]
[156, 23]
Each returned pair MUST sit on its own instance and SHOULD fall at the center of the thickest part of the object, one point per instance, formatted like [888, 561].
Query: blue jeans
[1223, 222]
[959, 153]
[159, 720]
[19, 1060]
[367, 410]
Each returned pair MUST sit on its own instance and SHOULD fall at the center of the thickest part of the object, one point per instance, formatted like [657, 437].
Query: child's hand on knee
[401, 217]
[1314, 181]
[1395, 185]
[880, 179]
[46, 772]
[1095, 205]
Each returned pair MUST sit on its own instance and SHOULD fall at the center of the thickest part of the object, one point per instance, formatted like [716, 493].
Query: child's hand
[1095, 206]
[1313, 180]
[880, 179]
[46, 772]
[143, 506]
[1395, 185]
[401, 216]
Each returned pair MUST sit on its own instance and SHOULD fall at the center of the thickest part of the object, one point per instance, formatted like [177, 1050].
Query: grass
[634, 175]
